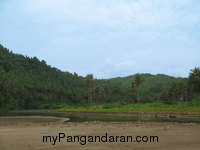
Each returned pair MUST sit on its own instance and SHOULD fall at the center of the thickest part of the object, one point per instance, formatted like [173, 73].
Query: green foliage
[28, 83]
[156, 107]
[194, 80]
[196, 101]
[152, 88]
[89, 80]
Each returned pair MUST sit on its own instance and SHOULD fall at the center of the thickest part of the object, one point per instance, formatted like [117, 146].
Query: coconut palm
[89, 78]
[137, 82]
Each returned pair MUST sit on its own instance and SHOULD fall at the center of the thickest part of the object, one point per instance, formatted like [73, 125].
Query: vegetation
[89, 80]
[135, 85]
[28, 83]
[156, 107]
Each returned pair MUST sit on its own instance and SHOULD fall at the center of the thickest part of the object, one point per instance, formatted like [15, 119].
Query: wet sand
[26, 134]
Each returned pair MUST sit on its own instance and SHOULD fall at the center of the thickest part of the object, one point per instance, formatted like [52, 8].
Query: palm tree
[133, 89]
[105, 91]
[194, 82]
[194, 79]
[138, 81]
[89, 78]
[98, 91]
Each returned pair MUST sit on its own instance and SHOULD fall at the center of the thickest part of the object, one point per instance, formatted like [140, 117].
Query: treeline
[28, 83]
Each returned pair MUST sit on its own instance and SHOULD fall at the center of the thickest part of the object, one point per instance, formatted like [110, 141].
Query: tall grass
[159, 107]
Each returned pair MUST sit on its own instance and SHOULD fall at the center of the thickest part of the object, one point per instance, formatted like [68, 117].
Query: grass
[192, 107]
[156, 107]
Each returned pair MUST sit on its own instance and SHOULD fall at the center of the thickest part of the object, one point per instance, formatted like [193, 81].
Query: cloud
[107, 37]
[144, 18]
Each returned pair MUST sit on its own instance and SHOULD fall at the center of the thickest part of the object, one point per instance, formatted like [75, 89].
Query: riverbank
[185, 108]
[28, 135]
[156, 107]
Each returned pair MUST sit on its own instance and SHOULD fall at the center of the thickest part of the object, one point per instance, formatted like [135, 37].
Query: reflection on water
[81, 117]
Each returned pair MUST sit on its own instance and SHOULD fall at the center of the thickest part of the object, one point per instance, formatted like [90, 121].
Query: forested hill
[27, 83]
[149, 80]
[153, 87]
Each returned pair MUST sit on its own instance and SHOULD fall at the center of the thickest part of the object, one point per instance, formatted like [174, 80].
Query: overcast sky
[108, 38]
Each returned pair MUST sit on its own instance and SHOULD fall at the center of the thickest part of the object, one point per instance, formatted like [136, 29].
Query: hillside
[153, 86]
[27, 83]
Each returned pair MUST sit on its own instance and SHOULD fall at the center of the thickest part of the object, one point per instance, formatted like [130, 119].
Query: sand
[22, 133]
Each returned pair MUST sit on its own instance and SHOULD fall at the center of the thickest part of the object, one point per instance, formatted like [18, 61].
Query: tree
[105, 91]
[89, 78]
[194, 82]
[138, 81]
[133, 88]
[98, 92]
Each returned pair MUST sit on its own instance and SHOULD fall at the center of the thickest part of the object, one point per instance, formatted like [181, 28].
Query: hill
[153, 86]
[28, 83]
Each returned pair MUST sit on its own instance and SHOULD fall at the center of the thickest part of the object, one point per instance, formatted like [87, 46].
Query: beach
[22, 133]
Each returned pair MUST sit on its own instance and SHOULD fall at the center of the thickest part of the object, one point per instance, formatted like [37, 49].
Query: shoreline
[146, 114]
[31, 119]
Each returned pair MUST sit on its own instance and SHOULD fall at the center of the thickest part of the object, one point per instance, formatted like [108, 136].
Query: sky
[108, 38]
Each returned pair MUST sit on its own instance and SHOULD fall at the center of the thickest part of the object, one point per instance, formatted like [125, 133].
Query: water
[82, 117]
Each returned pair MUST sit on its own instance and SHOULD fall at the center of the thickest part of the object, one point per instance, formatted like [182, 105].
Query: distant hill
[149, 79]
[153, 85]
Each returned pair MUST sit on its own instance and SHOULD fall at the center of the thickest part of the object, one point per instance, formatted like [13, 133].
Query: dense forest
[28, 83]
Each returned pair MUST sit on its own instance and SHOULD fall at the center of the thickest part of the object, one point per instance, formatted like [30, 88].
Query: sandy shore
[27, 134]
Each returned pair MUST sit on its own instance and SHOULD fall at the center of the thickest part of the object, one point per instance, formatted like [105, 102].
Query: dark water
[81, 117]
